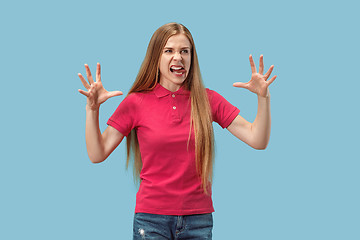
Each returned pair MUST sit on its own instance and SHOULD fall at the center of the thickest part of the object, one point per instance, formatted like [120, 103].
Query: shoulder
[134, 99]
[223, 112]
[213, 95]
[209, 91]
[139, 100]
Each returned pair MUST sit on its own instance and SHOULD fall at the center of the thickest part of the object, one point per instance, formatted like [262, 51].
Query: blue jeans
[154, 226]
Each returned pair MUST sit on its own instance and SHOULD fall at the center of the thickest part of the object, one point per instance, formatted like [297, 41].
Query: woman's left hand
[259, 82]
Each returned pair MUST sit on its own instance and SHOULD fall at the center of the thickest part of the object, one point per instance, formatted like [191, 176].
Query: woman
[167, 119]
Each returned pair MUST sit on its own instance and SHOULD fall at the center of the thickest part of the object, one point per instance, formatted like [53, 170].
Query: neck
[169, 86]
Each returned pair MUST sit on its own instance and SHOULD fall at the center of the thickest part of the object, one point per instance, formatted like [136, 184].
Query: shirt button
[173, 95]
[174, 107]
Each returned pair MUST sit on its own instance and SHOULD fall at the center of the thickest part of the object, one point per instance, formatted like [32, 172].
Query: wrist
[92, 108]
[265, 95]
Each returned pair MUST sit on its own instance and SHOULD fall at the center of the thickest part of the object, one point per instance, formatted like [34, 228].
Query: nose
[177, 56]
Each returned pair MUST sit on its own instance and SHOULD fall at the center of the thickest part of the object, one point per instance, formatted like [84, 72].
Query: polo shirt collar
[160, 91]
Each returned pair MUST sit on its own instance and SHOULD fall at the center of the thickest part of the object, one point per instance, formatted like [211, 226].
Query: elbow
[260, 143]
[96, 156]
[260, 146]
[96, 159]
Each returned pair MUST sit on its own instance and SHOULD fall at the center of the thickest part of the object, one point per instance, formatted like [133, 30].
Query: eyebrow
[180, 48]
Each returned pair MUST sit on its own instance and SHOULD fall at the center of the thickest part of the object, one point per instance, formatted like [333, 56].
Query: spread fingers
[88, 74]
[83, 92]
[84, 82]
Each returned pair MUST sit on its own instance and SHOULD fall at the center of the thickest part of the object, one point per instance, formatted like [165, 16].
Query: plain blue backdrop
[305, 185]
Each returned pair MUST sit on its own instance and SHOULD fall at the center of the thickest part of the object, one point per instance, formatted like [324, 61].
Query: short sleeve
[222, 111]
[124, 117]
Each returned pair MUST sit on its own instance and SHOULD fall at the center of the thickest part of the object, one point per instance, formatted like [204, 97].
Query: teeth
[176, 68]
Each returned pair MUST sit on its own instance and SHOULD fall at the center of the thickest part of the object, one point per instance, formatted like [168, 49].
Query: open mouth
[177, 69]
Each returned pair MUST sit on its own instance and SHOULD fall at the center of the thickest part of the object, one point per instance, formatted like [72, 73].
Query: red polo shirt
[169, 182]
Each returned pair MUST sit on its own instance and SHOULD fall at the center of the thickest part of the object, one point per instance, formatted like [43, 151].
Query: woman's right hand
[96, 93]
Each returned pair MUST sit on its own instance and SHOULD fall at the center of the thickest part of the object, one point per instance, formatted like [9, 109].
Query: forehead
[178, 41]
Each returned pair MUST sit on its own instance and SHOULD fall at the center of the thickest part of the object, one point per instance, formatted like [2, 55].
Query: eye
[168, 51]
[185, 51]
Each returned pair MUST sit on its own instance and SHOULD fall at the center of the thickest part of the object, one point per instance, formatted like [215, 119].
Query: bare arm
[99, 146]
[256, 134]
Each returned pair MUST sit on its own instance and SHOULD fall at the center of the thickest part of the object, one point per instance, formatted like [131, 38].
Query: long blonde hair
[201, 120]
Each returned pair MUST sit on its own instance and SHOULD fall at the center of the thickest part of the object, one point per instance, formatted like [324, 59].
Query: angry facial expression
[175, 62]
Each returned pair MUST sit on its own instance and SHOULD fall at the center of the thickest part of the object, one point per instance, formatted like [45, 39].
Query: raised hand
[96, 93]
[259, 82]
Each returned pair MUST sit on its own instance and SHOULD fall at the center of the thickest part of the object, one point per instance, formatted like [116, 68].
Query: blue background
[305, 185]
